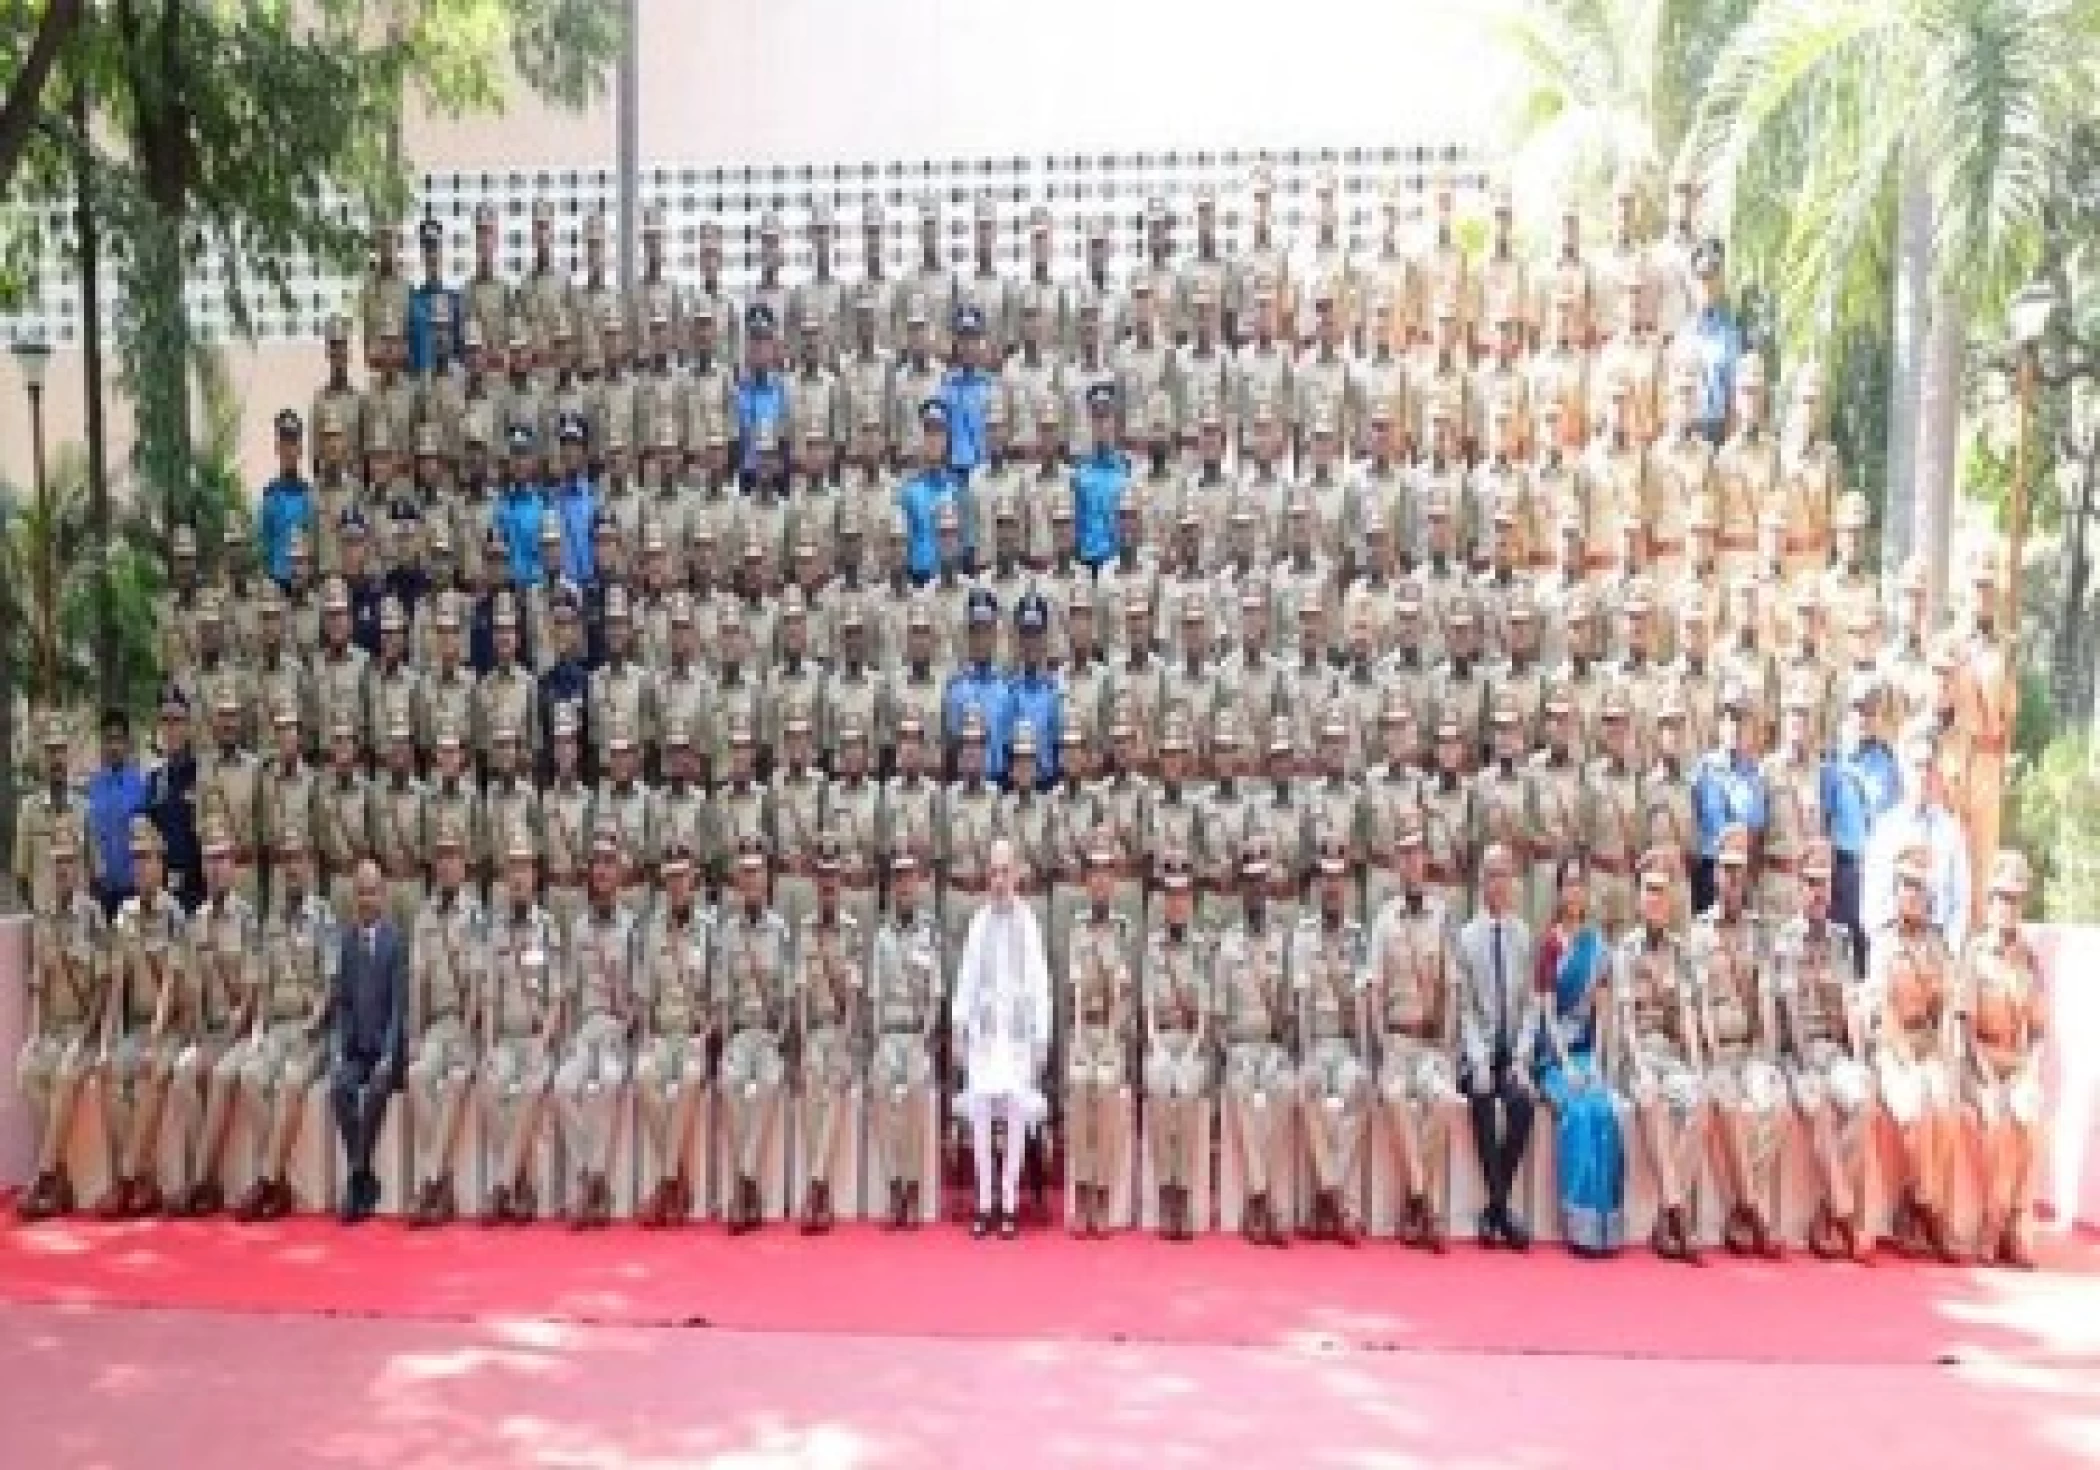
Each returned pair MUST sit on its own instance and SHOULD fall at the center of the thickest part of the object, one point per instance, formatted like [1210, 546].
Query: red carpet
[939, 1283]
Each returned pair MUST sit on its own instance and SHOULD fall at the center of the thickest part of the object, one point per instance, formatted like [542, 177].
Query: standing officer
[906, 983]
[1255, 1015]
[678, 1025]
[591, 1080]
[172, 800]
[1413, 981]
[1727, 789]
[752, 964]
[68, 991]
[44, 817]
[830, 959]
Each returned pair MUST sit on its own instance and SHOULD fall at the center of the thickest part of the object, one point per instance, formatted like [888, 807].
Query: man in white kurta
[1002, 1030]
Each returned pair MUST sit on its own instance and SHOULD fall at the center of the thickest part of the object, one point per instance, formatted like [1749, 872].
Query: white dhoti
[1002, 1030]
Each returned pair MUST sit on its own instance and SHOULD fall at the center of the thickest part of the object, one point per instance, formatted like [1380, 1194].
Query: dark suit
[369, 1006]
[1499, 1022]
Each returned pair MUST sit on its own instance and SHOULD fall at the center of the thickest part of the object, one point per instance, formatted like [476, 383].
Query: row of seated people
[1332, 1050]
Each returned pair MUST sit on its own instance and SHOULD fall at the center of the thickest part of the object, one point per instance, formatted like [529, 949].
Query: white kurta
[1001, 1010]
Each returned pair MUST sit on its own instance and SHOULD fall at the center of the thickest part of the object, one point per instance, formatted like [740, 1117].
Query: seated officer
[68, 990]
[752, 955]
[678, 1021]
[1178, 1002]
[905, 985]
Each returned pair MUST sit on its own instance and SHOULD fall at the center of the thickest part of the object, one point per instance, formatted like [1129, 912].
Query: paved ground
[113, 1387]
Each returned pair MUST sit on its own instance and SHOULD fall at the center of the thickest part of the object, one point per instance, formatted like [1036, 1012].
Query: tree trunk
[88, 248]
[1907, 355]
[1938, 440]
[10, 800]
[25, 95]
[2068, 674]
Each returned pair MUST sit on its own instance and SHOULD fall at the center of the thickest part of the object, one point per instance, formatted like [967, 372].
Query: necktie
[1501, 994]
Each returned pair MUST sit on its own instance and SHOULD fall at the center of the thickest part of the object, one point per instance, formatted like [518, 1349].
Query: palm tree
[1851, 141]
[1610, 85]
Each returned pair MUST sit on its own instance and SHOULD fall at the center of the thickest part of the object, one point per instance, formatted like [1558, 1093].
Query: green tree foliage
[262, 135]
[2056, 814]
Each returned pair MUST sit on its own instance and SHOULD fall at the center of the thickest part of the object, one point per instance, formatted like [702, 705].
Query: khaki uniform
[738, 812]
[565, 815]
[969, 825]
[1793, 819]
[1912, 974]
[597, 1057]
[1327, 972]
[224, 938]
[1253, 991]
[2003, 996]
[527, 963]
[1986, 701]
[830, 971]
[343, 831]
[1610, 819]
[1651, 994]
[448, 970]
[43, 816]
[400, 842]
[70, 962]
[1744, 1089]
[794, 817]
[508, 807]
[670, 1065]
[907, 981]
[506, 696]
[1123, 804]
[752, 967]
[1414, 973]
[1818, 993]
[1745, 479]
[635, 812]
[1179, 976]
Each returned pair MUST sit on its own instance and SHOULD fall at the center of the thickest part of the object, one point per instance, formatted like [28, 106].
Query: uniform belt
[1739, 542]
[966, 885]
[1618, 867]
[1783, 864]
[1989, 747]
[795, 867]
[1594, 562]
[1804, 543]
[1667, 548]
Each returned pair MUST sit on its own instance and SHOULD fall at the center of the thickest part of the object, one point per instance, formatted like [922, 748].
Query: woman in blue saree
[1574, 967]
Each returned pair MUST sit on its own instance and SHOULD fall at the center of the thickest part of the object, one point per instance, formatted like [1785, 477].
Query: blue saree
[1588, 1146]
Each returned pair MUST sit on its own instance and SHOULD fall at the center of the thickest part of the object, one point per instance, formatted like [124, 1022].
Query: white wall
[822, 81]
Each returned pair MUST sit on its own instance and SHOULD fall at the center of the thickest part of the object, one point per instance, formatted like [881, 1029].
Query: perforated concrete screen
[1076, 187]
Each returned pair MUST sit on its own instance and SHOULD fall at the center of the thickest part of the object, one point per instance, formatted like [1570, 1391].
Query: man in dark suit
[1499, 1020]
[370, 1008]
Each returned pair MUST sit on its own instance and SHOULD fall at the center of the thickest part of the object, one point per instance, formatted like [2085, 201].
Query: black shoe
[1515, 1234]
[367, 1185]
[980, 1225]
[1490, 1228]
